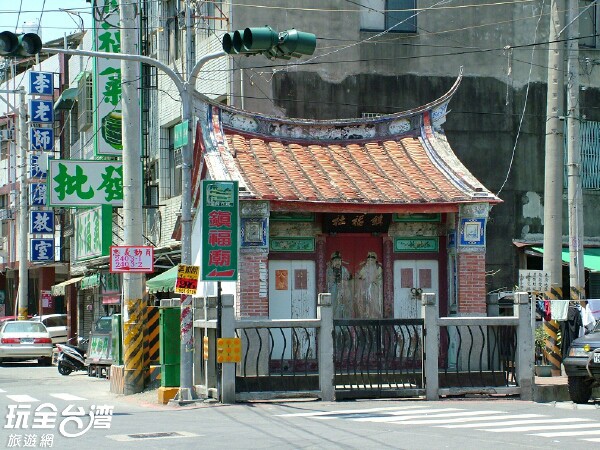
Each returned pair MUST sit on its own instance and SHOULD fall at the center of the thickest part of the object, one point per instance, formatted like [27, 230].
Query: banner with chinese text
[107, 86]
[85, 183]
[220, 229]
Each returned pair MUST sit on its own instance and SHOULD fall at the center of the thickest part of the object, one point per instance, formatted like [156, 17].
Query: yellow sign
[229, 350]
[205, 347]
[187, 279]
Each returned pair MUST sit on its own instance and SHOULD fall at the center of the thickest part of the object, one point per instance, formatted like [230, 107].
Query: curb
[555, 393]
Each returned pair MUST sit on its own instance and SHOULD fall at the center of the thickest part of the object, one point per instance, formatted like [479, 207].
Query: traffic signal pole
[187, 92]
[265, 41]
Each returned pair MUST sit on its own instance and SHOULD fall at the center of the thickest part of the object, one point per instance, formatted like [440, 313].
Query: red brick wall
[250, 304]
[471, 283]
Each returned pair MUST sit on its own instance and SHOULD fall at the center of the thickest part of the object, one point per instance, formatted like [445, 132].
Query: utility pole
[186, 386]
[553, 188]
[23, 210]
[575, 195]
[133, 308]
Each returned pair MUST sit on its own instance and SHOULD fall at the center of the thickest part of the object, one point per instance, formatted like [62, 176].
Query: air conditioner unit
[85, 101]
[6, 214]
[6, 134]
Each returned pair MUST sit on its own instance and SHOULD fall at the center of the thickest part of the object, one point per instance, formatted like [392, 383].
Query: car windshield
[24, 327]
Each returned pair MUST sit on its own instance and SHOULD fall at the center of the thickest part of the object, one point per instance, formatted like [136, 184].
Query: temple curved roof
[400, 162]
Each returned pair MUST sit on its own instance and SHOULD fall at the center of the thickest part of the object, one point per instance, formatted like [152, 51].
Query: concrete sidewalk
[554, 389]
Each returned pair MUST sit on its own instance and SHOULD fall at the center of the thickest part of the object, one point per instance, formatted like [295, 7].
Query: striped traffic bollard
[133, 339]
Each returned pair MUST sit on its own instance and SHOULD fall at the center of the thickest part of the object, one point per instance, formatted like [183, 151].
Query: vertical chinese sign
[107, 86]
[220, 230]
[41, 140]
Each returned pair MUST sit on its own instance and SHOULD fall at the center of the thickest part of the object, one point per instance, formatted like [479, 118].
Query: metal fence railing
[278, 356]
[378, 357]
[477, 355]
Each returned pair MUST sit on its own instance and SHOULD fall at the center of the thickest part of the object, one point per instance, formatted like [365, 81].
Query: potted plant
[542, 367]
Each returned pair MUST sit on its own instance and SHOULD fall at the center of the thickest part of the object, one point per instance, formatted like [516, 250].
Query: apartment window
[174, 164]
[74, 120]
[5, 136]
[394, 15]
[172, 33]
[587, 23]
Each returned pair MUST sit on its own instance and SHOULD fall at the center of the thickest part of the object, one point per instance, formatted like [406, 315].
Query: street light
[289, 44]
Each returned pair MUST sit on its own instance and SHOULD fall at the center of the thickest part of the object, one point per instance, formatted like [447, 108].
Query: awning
[66, 100]
[90, 281]
[59, 289]
[591, 257]
[165, 282]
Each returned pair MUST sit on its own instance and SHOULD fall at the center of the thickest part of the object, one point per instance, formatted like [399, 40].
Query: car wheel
[63, 370]
[45, 361]
[580, 389]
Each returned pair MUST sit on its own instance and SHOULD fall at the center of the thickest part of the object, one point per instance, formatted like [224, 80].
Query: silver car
[24, 339]
[56, 324]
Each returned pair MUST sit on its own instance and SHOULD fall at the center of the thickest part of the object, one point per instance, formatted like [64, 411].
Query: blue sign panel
[41, 138]
[37, 194]
[41, 222]
[41, 111]
[38, 165]
[472, 232]
[41, 83]
[42, 250]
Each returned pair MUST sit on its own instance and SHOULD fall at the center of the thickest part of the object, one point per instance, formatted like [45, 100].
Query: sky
[54, 22]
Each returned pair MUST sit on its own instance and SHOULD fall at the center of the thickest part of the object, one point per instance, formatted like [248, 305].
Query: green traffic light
[8, 43]
[12, 44]
[296, 43]
[266, 41]
[258, 40]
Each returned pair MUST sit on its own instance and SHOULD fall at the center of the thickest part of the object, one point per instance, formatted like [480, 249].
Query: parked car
[582, 365]
[25, 339]
[56, 325]
[7, 318]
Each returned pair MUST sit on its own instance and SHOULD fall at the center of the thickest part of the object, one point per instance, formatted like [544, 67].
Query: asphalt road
[29, 394]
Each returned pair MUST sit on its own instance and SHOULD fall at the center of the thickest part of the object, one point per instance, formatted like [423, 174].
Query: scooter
[72, 357]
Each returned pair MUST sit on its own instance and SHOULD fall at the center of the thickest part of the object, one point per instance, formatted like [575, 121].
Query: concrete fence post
[227, 331]
[326, 364]
[525, 345]
[431, 338]
[210, 364]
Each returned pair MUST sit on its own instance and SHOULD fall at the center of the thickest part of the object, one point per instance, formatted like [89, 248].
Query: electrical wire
[514, 150]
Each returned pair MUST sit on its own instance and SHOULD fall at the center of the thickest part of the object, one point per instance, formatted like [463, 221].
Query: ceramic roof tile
[378, 172]
[398, 160]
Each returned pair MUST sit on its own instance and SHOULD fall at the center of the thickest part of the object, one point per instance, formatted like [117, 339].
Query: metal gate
[378, 358]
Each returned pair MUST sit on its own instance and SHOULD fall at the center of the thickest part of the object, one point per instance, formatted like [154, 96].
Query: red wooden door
[355, 275]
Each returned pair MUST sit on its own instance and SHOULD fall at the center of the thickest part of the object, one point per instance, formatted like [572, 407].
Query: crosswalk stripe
[401, 418]
[550, 420]
[23, 398]
[461, 420]
[2, 390]
[555, 426]
[65, 396]
[569, 433]
[351, 411]
[591, 440]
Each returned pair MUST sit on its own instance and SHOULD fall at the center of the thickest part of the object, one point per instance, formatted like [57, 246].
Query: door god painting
[339, 285]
